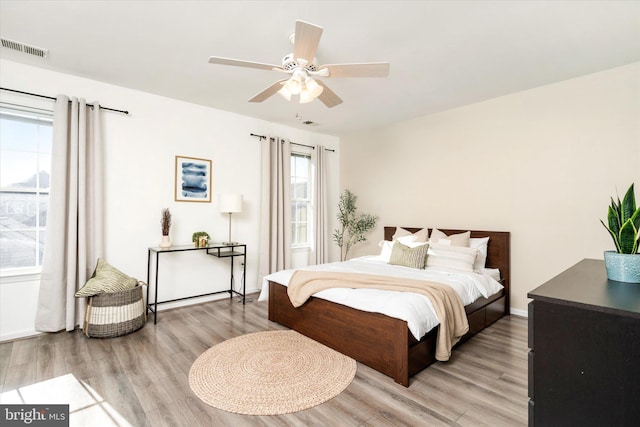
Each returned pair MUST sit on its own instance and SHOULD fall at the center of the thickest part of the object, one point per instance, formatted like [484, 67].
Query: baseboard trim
[518, 312]
[29, 334]
[19, 335]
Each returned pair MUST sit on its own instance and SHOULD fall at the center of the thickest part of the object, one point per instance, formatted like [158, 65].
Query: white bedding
[415, 309]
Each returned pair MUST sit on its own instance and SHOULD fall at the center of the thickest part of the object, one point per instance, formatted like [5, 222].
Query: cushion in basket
[106, 279]
[115, 314]
[414, 257]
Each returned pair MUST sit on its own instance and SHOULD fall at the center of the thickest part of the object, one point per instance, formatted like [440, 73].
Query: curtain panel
[275, 224]
[320, 250]
[75, 227]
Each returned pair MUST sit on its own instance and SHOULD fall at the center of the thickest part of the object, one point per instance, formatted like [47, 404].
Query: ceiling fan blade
[268, 92]
[306, 40]
[328, 97]
[369, 69]
[241, 63]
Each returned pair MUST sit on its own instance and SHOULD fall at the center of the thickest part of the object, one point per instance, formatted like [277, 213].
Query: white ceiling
[443, 54]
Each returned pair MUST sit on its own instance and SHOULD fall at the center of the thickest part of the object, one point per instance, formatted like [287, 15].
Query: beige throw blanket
[446, 302]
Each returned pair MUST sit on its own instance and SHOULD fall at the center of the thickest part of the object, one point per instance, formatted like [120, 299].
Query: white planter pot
[165, 242]
[622, 267]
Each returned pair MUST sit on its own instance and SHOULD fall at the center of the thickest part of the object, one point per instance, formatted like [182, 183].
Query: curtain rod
[294, 143]
[53, 98]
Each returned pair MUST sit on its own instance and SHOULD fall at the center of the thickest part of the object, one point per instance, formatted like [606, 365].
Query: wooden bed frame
[382, 342]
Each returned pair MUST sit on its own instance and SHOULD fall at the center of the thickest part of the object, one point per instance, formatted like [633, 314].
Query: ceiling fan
[302, 67]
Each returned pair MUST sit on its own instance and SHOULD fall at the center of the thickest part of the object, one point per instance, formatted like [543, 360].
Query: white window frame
[308, 200]
[32, 272]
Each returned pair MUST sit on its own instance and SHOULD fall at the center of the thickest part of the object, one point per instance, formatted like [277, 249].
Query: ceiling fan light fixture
[305, 97]
[301, 64]
[296, 82]
[310, 90]
[285, 93]
[313, 87]
[293, 85]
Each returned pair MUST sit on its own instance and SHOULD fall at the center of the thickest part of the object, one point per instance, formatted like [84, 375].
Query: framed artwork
[193, 179]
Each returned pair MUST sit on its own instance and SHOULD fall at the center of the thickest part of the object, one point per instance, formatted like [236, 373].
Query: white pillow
[421, 235]
[416, 244]
[386, 246]
[400, 232]
[405, 240]
[405, 237]
[439, 238]
[494, 273]
[481, 245]
[453, 257]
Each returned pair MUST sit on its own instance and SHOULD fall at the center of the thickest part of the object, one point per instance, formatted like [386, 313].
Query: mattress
[413, 308]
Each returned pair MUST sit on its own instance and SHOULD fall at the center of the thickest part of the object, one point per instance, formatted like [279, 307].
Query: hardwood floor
[142, 379]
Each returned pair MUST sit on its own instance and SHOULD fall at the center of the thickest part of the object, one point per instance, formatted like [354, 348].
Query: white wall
[139, 161]
[541, 164]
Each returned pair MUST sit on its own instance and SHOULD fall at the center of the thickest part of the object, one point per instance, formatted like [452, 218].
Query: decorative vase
[165, 242]
[622, 267]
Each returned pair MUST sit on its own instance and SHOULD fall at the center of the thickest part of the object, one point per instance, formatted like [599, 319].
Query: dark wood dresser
[584, 362]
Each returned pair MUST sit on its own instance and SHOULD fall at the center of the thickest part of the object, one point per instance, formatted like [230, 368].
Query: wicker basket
[115, 314]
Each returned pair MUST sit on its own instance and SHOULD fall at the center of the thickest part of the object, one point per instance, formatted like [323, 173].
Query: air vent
[24, 48]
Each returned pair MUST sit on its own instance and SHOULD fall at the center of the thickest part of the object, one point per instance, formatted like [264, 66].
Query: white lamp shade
[285, 93]
[294, 84]
[230, 203]
[305, 97]
[313, 88]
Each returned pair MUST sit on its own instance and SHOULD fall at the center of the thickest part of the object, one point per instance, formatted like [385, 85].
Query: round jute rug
[270, 373]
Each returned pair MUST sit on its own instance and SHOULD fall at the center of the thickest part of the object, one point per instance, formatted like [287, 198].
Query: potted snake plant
[623, 224]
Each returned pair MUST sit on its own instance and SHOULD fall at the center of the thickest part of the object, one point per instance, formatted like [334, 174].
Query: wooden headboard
[498, 250]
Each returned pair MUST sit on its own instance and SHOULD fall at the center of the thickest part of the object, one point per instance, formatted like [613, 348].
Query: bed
[382, 342]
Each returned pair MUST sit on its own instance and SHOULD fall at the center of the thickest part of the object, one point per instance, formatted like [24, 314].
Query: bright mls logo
[34, 415]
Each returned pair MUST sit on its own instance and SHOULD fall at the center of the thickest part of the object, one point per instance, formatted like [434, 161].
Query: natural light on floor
[86, 407]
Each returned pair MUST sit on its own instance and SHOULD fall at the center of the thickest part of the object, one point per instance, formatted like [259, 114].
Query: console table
[218, 250]
[584, 363]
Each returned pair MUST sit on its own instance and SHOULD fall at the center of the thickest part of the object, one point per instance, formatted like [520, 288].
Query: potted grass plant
[623, 224]
[353, 225]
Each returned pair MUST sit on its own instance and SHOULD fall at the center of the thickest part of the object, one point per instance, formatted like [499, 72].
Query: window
[26, 138]
[300, 200]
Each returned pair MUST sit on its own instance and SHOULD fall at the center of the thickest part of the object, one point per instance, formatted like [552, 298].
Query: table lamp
[230, 203]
